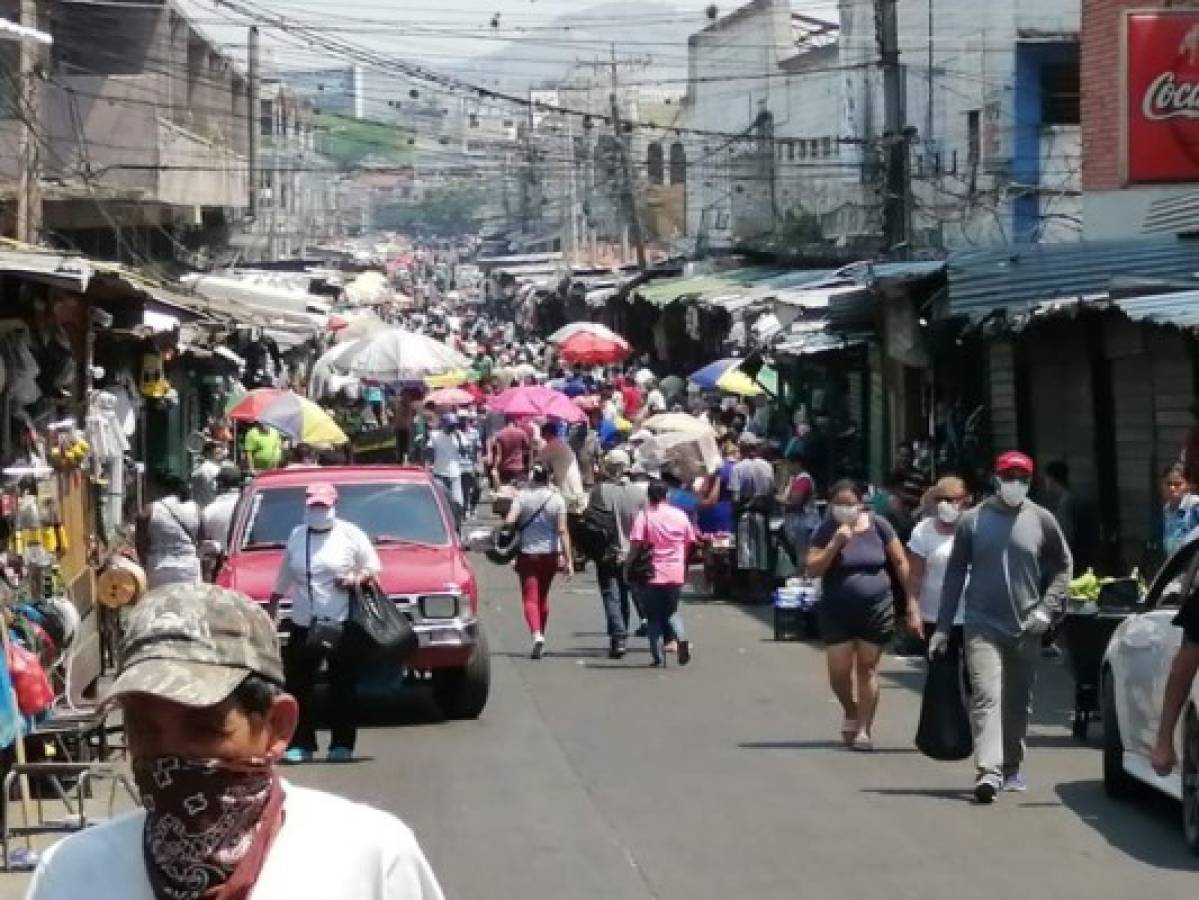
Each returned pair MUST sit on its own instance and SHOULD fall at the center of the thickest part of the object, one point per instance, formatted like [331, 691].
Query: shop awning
[56, 269]
[808, 343]
[668, 290]
[1013, 280]
[1179, 309]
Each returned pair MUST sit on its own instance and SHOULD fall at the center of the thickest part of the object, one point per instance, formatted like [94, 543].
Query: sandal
[849, 732]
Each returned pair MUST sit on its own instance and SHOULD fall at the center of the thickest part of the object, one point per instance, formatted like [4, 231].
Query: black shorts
[842, 622]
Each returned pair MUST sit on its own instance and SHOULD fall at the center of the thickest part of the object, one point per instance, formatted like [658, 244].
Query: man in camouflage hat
[206, 720]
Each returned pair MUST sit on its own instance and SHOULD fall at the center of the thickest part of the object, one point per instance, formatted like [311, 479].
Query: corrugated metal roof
[1179, 309]
[668, 290]
[1014, 279]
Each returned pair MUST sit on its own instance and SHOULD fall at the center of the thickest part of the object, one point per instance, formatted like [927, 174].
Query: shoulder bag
[324, 635]
[639, 567]
[507, 538]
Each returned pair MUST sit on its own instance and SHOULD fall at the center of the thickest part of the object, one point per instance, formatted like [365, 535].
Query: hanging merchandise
[154, 383]
[10, 719]
[109, 446]
[21, 368]
[32, 685]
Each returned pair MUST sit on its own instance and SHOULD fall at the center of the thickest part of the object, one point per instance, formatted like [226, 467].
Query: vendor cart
[1084, 633]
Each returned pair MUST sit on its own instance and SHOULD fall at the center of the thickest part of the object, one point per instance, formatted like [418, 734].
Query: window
[973, 137]
[655, 163]
[803, 149]
[266, 118]
[826, 147]
[1060, 92]
[813, 148]
[790, 151]
[388, 513]
[678, 163]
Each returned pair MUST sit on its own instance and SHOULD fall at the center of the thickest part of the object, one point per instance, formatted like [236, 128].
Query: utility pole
[630, 201]
[252, 126]
[29, 157]
[897, 183]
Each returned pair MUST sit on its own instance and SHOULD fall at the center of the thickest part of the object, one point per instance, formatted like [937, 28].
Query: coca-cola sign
[1161, 95]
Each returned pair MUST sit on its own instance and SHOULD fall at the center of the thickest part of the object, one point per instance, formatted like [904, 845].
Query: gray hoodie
[1016, 559]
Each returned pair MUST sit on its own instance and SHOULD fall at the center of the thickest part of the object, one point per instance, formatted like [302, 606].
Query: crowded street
[599, 451]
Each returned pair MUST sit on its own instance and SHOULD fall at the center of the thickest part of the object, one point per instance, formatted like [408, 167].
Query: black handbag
[506, 539]
[944, 730]
[639, 566]
[384, 629]
[324, 635]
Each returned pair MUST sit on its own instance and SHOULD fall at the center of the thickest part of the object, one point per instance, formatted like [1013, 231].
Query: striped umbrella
[289, 413]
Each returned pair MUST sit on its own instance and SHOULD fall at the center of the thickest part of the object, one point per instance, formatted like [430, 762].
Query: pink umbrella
[536, 401]
[450, 398]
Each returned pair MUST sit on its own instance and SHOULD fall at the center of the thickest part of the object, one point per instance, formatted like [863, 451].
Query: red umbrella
[587, 348]
[536, 401]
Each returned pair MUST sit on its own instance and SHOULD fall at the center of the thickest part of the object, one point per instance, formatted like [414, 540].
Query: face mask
[319, 518]
[209, 823]
[1013, 492]
[948, 512]
[844, 515]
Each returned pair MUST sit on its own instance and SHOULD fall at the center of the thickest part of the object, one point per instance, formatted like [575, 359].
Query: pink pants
[536, 572]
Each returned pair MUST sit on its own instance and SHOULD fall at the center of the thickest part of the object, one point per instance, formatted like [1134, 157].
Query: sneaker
[986, 787]
[538, 647]
[684, 652]
[616, 650]
[340, 755]
[294, 756]
[1015, 783]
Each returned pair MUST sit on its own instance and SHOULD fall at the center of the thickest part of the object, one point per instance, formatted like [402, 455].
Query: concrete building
[145, 133]
[337, 91]
[786, 112]
[1140, 169]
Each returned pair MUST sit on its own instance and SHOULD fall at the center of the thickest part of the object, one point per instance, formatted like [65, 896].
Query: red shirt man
[511, 451]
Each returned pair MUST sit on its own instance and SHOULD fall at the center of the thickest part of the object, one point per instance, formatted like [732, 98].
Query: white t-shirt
[934, 548]
[447, 454]
[327, 847]
[655, 402]
[336, 553]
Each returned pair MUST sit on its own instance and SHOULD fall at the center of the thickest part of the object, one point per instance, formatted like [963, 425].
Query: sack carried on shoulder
[944, 730]
[388, 633]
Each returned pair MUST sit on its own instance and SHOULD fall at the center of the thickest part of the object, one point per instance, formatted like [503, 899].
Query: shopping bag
[384, 631]
[944, 730]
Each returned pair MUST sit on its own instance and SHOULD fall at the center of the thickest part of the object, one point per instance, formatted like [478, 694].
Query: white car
[1135, 668]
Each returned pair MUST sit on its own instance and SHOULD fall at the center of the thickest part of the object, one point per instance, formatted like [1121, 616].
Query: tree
[445, 212]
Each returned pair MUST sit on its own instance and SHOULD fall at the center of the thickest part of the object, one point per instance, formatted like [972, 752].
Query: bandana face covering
[209, 824]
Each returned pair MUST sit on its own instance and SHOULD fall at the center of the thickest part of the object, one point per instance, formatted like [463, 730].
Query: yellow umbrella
[456, 378]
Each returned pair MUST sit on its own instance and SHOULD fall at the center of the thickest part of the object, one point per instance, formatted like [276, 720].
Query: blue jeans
[660, 603]
[614, 591]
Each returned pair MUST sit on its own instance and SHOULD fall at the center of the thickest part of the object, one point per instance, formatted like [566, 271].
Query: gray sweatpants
[1003, 673]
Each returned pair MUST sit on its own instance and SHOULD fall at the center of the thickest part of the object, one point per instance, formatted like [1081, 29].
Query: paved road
[592, 779]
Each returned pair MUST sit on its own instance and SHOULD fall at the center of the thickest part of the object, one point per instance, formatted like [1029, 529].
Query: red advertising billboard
[1161, 95]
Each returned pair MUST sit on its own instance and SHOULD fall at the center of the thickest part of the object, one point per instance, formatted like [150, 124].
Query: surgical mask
[948, 512]
[319, 518]
[209, 822]
[1013, 492]
[845, 515]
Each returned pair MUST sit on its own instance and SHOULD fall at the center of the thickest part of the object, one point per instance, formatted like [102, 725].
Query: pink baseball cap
[320, 494]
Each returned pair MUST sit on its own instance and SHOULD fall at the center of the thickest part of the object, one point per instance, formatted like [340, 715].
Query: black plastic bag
[383, 630]
[944, 730]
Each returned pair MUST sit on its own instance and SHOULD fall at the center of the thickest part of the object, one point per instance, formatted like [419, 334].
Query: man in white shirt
[445, 454]
[218, 515]
[203, 477]
[200, 689]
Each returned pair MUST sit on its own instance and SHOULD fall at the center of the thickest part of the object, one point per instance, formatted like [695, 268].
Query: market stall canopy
[368, 289]
[689, 455]
[728, 375]
[573, 328]
[536, 401]
[450, 398]
[678, 423]
[399, 355]
[586, 348]
[295, 416]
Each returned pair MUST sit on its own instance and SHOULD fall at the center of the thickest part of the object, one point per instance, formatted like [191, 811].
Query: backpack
[596, 534]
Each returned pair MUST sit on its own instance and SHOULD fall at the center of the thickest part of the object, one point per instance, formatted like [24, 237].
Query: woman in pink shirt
[669, 534]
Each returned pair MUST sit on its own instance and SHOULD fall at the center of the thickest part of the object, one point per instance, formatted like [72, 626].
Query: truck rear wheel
[462, 693]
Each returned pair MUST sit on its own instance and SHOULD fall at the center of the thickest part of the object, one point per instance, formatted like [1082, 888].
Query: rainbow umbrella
[295, 416]
[248, 406]
[726, 375]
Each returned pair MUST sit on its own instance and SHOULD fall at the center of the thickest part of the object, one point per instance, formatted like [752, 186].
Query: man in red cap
[1011, 566]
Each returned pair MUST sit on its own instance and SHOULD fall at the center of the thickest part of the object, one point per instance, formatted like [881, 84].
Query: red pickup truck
[425, 569]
